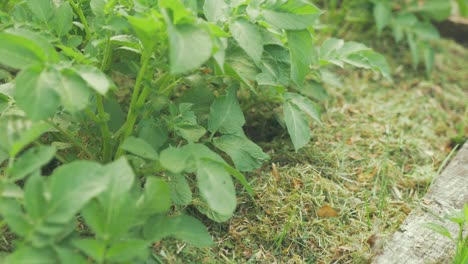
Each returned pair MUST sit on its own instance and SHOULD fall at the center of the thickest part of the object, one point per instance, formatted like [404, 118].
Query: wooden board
[415, 244]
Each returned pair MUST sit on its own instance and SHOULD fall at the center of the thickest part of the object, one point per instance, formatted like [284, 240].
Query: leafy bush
[150, 89]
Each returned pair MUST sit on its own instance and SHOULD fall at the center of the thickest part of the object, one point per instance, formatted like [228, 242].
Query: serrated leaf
[245, 154]
[248, 37]
[182, 227]
[225, 114]
[297, 125]
[301, 51]
[36, 92]
[216, 187]
[183, 41]
[95, 78]
[31, 161]
[19, 52]
[42, 9]
[181, 194]
[140, 147]
[62, 19]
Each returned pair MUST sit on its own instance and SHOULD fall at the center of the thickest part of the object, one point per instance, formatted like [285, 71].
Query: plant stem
[133, 109]
[73, 140]
[102, 115]
[83, 20]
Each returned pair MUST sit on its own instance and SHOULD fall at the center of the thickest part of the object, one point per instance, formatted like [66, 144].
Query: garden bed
[372, 161]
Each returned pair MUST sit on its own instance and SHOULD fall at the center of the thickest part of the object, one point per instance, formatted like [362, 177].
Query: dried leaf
[327, 211]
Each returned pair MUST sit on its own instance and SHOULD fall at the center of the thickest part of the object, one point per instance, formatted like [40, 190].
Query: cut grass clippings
[371, 161]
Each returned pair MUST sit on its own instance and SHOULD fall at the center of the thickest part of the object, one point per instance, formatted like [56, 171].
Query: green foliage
[461, 219]
[412, 22]
[137, 100]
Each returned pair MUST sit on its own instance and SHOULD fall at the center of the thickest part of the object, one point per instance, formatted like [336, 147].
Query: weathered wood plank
[414, 244]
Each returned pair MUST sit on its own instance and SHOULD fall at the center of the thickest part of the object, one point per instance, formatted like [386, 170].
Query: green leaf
[30, 255]
[436, 9]
[73, 91]
[315, 90]
[98, 7]
[19, 132]
[248, 37]
[112, 213]
[19, 52]
[439, 229]
[179, 12]
[414, 49]
[71, 186]
[426, 31]
[36, 92]
[429, 56]
[183, 41]
[95, 78]
[216, 187]
[128, 251]
[463, 7]
[69, 256]
[91, 247]
[240, 66]
[182, 227]
[225, 114]
[191, 133]
[297, 125]
[140, 147]
[156, 197]
[146, 28]
[245, 154]
[174, 159]
[153, 133]
[181, 194]
[301, 50]
[236, 174]
[215, 10]
[34, 197]
[13, 215]
[62, 19]
[382, 14]
[291, 14]
[31, 161]
[42, 9]
[306, 105]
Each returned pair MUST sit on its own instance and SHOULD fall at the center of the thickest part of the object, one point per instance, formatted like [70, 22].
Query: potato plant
[118, 115]
[411, 21]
